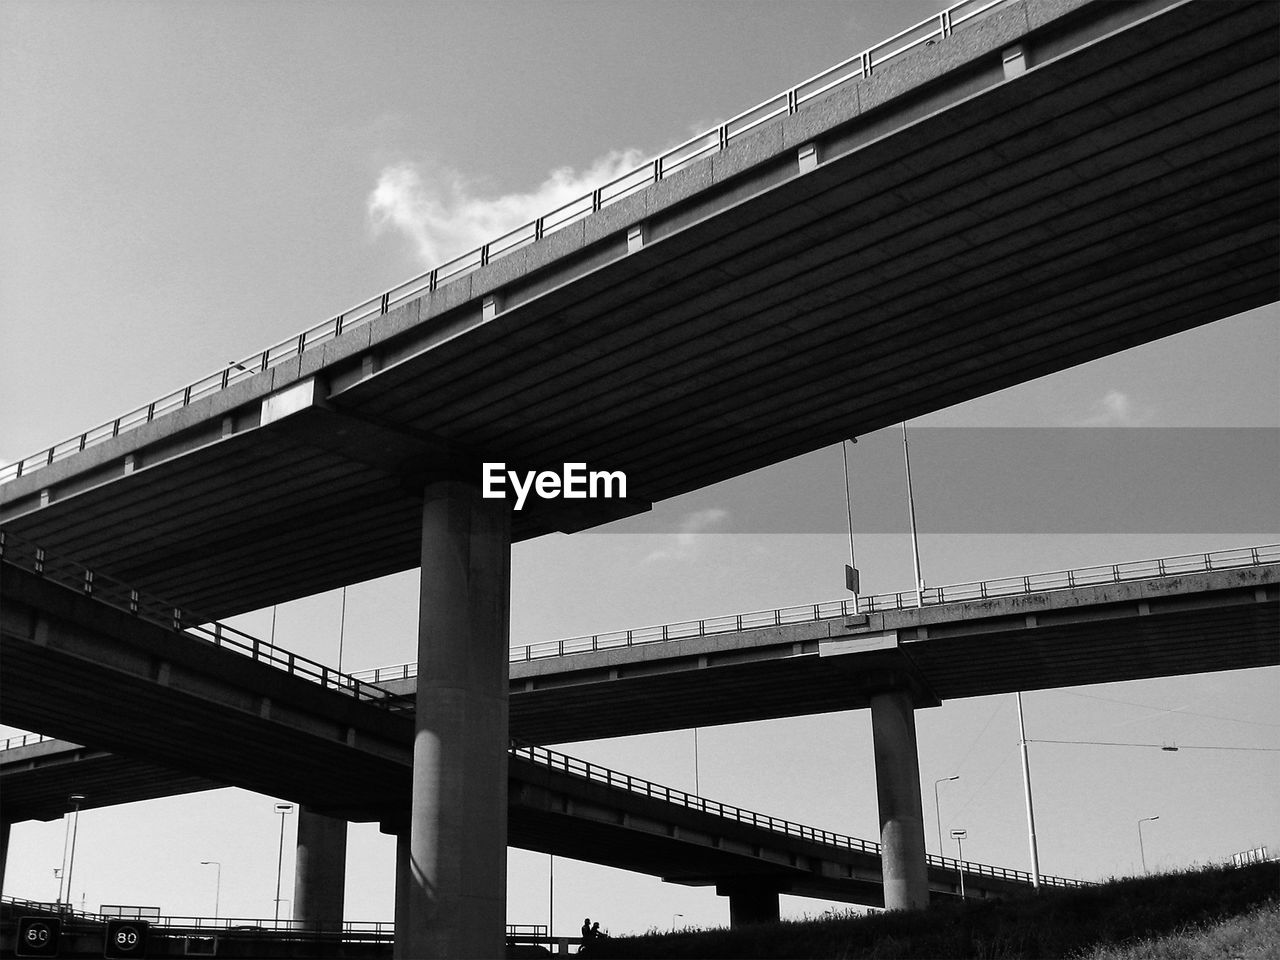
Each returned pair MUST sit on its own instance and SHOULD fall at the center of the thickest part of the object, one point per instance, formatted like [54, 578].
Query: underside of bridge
[960, 234]
[1053, 184]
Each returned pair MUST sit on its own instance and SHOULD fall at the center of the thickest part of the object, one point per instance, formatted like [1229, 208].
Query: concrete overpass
[562, 806]
[258, 717]
[969, 220]
[1043, 183]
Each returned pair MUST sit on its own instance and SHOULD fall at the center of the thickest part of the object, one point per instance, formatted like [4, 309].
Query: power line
[1163, 746]
[1189, 713]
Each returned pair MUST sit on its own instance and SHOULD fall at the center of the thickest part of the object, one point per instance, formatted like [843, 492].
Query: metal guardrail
[87, 582]
[25, 740]
[862, 65]
[836, 609]
[361, 929]
[646, 788]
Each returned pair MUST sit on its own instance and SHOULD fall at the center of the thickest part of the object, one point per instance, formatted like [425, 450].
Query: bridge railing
[364, 929]
[81, 579]
[862, 65]
[647, 788]
[26, 739]
[903, 600]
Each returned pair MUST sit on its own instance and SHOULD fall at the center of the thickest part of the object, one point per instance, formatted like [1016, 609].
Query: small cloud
[1117, 409]
[443, 214]
[685, 544]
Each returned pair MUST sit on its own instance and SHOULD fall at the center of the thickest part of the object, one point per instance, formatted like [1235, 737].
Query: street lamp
[68, 863]
[284, 809]
[1141, 852]
[958, 836]
[217, 890]
[937, 810]
[673, 920]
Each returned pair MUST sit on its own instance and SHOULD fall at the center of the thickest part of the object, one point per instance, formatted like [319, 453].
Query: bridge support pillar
[455, 896]
[320, 872]
[750, 903]
[4, 849]
[893, 734]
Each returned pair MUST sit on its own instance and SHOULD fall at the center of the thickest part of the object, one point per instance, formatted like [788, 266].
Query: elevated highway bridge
[252, 715]
[1040, 185]
[569, 808]
[1006, 190]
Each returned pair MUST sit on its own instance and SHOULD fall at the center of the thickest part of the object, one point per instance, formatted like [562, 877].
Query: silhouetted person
[595, 931]
[586, 936]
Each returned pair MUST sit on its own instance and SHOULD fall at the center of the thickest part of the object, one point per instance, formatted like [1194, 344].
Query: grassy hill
[1131, 914]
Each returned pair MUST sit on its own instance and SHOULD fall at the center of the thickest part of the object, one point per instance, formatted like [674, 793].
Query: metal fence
[77, 577]
[351, 929]
[836, 609]
[646, 788]
[712, 141]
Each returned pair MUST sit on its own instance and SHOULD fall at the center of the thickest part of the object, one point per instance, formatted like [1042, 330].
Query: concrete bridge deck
[79, 668]
[570, 808]
[1053, 182]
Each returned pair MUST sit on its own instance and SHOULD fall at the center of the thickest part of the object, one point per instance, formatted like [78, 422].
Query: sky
[184, 184]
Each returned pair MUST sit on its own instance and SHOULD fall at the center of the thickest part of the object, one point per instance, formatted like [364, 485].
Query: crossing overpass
[1009, 190]
[566, 807]
[94, 665]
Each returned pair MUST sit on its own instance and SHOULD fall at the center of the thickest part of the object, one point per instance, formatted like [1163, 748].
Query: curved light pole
[284, 809]
[1141, 852]
[938, 810]
[68, 863]
[673, 920]
[217, 890]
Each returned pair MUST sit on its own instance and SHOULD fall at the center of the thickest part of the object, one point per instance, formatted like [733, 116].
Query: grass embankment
[1132, 913]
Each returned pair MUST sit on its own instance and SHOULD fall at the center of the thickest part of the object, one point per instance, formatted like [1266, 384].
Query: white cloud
[443, 215]
[685, 542]
[1117, 409]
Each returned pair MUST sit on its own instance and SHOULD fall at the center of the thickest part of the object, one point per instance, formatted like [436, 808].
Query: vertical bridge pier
[887, 677]
[451, 892]
[320, 870]
[902, 851]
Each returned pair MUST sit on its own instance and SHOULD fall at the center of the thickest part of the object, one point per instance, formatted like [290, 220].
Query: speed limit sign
[37, 937]
[126, 938]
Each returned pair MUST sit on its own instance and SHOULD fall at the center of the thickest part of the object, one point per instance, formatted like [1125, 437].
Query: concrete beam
[455, 887]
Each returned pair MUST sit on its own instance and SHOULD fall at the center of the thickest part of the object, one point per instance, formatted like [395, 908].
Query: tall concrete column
[4, 849]
[750, 903]
[320, 870]
[455, 901]
[893, 735]
[402, 895]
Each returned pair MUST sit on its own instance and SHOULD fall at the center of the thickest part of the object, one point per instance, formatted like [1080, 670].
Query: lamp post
[1141, 852]
[958, 836]
[217, 890]
[911, 508]
[68, 863]
[938, 810]
[673, 920]
[284, 809]
[1026, 789]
